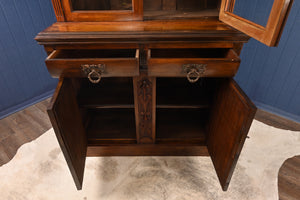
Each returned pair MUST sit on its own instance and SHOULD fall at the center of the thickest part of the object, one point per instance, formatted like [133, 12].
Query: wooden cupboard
[152, 78]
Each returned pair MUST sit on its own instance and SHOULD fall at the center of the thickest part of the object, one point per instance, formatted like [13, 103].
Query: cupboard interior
[154, 9]
[178, 9]
[182, 110]
[108, 111]
[101, 4]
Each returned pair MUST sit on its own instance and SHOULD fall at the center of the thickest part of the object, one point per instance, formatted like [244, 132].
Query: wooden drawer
[114, 62]
[217, 62]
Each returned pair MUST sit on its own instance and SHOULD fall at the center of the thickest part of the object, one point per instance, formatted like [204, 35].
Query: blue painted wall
[255, 10]
[270, 76]
[24, 78]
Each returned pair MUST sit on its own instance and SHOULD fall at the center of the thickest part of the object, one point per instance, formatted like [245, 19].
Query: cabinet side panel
[144, 100]
[67, 123]
[230, 121]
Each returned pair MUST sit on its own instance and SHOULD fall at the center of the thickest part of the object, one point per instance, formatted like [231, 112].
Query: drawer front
[113, 63]
[224, 63]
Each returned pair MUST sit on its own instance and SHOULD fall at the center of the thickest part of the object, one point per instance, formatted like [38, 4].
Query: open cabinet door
[268, 33]
[231, 117]
[67, 123]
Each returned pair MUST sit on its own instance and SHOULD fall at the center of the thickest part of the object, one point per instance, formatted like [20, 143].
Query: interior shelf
[179, 93]
[109, 93]
[182, 110]
[179, 14]
[108, 111]
[179, 126]
[180, 9]
[111, 126]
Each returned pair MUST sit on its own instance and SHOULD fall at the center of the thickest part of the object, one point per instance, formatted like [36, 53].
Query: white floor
[39, 171]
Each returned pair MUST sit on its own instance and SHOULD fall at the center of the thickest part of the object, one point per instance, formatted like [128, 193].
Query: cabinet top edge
[159, 29]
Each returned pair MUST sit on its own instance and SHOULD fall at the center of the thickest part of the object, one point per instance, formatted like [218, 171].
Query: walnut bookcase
[151, 78]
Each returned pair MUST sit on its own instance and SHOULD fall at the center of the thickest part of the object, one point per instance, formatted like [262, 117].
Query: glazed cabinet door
[231, 117]
[98, 10]
[67, 123]
[264, 23]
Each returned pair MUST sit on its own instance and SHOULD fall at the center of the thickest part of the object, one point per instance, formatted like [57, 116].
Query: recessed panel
[101, 4]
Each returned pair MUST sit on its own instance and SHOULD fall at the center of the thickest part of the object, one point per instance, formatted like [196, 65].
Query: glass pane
[257, 11]
[101, 4]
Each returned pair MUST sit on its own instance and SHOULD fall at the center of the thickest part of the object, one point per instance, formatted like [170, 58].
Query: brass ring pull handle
[193, 76]
[94, 76]
[194, 71]
[93, 72]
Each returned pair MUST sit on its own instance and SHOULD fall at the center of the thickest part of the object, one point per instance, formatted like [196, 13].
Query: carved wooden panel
[144, 92]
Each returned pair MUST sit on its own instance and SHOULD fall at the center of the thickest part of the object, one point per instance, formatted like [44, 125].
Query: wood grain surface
[201, 30]
[288, 179]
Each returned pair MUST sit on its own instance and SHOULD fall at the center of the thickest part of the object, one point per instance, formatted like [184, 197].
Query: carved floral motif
[145, 110]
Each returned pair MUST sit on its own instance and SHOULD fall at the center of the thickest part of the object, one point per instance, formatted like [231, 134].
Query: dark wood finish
[288, 179]
[138, 111]
[145, 101]
[193, 44]
[109, 93]
[269, 35]
[169, 62]
[68, 126]
[48, 50]
[179, 31]
[98, 5]
[169, 4]
[136, 13]
[148, 150]
[179, 93]
[191, 5]
[117, 62]
[112, 126]
[230, 121]
[237, 47]
[179, 14]
[181, 126]
[152, 5]
[121, 4]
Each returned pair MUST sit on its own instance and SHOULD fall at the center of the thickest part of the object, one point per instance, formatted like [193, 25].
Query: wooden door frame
[69, 128]
[64, 12]
[268, 35]
[230, 120]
